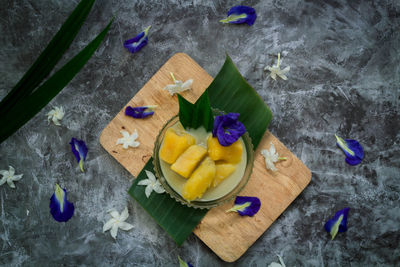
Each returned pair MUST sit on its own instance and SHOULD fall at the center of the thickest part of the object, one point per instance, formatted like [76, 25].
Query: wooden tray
[227, 234]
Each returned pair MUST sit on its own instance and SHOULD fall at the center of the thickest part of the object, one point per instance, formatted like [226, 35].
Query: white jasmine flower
[9, 177]
[57, 113]
[275, 264]
[152, 184]
[276, 70]
[271, 157]
[117, 221]
[179, 86]
[128, 140]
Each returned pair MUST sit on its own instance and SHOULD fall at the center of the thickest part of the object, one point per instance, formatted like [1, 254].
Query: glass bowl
[202, 204]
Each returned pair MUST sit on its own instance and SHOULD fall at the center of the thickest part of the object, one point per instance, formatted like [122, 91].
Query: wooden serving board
[227, 234]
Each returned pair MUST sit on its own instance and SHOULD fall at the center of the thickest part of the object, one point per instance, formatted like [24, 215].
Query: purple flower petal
[138, 42]
[352, 149]
[228, 129]
[246, 206]
[138, 112]
[338, 223]
[60, 208]
[241, 14]
[80, 151]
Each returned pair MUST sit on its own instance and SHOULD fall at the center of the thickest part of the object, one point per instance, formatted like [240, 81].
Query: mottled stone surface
[344, 78]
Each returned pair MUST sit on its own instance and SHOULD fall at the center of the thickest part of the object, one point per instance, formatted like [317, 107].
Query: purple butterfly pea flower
[80, 151]
[228, 129]
[139, 112]
[353, 150]
[241, 14]
[60, 208]
[338, 223]
[138, 42]
[246, 206]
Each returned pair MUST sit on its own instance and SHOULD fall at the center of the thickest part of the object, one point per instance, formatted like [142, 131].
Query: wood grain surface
[227, 234]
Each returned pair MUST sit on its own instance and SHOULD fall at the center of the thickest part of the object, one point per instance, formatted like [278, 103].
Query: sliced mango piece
[223, 170]
[188, 160]
[231, 154]
[175, 143]
[200, 180]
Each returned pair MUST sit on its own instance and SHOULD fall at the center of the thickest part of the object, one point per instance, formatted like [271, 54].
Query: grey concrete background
[344, 79]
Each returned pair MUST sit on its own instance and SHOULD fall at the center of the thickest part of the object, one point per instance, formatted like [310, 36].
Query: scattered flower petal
[117, 221]
[9, 177]
[271, 156]
[183, 263]
[138, 42]
[246, 206]
[338, 223]
[228, 129]
[60, 208]
[353, 150]
[140, 112]
[128, 140]
[275, 264]
[178, 86]
[241, 14]
[56, 114]
[152, 184]
[80, 151]
[276, 70]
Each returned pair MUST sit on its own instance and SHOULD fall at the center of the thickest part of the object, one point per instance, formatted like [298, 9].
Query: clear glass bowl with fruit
[196, 170]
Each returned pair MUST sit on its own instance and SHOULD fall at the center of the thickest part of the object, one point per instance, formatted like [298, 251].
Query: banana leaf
[228, 92]
[48, 58]
[29, 106]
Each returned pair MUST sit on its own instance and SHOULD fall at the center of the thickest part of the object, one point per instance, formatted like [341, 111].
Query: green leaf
[178, 220]
[228, 92]
[29, 106]
[197, 114]
[48, 58]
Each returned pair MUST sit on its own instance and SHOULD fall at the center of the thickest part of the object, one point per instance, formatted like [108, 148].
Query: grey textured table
[344, 79]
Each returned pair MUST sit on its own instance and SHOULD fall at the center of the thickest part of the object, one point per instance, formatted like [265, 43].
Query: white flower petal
[124, 134]
[107, 226]
[151, 176]
[10, 183]
[187, 85]
[17, 177]
[158, 188]
[148, 190]
[272, 149]
[114, 214]
[145, 182]
[124, 215]
[125, 226]
[11, 171]
[3, 180]
[114, 231]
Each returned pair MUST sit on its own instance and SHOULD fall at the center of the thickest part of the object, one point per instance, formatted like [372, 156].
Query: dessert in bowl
[196, 170]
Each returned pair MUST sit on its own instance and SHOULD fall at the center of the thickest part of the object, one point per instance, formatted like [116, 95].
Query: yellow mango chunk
[200, 180]
[174, 145]
[223, 170]
[231, 154]
[188, 160]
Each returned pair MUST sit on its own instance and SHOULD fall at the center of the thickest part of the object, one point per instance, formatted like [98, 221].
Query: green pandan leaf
[197, 114]
[25, 109]
[46, 61]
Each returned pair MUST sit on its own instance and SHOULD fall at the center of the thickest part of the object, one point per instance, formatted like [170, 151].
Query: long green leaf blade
[230, 92]
[49, 57]
[28, 107]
